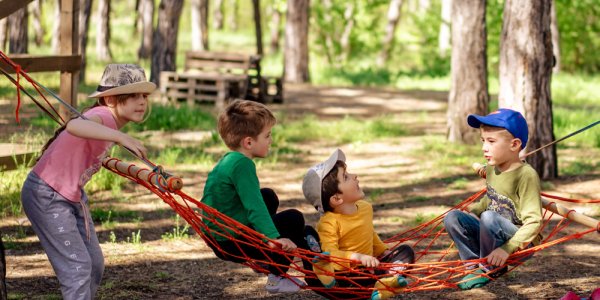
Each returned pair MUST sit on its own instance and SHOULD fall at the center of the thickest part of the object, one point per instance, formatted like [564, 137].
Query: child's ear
[247, 142]
[335, 200]
[515, 145]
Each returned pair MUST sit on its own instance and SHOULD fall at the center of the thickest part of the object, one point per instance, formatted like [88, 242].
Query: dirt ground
[159, 268]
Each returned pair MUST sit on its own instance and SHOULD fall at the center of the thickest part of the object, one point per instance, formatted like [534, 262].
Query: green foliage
[179, 232]
[171, 118]
[578, 26]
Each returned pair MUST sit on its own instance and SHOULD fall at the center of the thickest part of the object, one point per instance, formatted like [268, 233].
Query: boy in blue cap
[509, 217]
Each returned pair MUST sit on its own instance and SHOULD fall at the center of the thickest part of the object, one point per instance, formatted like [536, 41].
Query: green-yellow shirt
[233, 189]
[514, 195]
[341, 235]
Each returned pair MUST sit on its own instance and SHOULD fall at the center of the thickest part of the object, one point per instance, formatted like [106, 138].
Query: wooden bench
[218, 77]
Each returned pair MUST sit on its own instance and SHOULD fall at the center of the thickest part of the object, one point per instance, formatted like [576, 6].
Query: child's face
[350, 191]
[499, 146]
[132, 110]
[261, 144]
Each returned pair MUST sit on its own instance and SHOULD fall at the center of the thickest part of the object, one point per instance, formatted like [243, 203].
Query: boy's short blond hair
[243, 118]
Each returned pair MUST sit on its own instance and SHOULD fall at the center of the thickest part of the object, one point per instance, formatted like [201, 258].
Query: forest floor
[161, 268]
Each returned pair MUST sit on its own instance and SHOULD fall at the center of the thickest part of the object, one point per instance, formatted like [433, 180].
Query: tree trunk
[103, 31]
[275, 28]
[3, 293]
[84, 25]
[146, 11]
[3, 33]
[296, 41]
[393, 17]
[233, 15]
[257, 26]
[17, 24]
[555, 38]
[200, 25]
[38, 29]
[56, 28]
[444, 37]
[218, 15]
[469, 88]
[525, 75]
[164, 42]
[345, 39]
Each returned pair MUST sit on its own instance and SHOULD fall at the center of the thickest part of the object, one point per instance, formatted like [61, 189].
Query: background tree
[218, 15]
[257, 26]
[232, 15]
[200, 25]
[146, 13]
[3, 33]
[393, 17]
[84, 24]
[555, 38]
[525, 74]
[296, 42]
[275, 11]
[444, 36]
[164, 41]
[468, 88]
[36, 20]
[103, 31]
[56, 28]
[17, 24]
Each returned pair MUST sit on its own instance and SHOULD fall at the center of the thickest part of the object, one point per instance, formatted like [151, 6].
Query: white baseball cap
[311, 185]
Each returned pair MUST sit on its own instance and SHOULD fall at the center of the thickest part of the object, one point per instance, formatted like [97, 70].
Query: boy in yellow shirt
[509, 216]
[346, 227]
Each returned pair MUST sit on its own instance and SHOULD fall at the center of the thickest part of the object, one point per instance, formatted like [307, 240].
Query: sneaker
[278, 284]
[499, 272]
[474, 280]
[312, 239]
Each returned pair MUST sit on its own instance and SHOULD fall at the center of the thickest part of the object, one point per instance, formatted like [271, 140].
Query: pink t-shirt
[70, 161]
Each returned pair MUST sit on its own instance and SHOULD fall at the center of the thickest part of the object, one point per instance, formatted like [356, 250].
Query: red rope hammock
[436, 266]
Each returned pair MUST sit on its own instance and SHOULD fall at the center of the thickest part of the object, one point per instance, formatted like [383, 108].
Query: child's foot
[382, 291]
[278, 284]
[474, 280]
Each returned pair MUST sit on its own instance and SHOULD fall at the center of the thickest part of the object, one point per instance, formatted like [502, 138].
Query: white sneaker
[278, 284]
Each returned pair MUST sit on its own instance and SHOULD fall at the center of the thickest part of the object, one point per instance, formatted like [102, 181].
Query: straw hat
[123, 79]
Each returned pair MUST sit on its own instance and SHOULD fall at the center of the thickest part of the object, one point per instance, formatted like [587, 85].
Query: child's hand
[132, 144]
[286, 245]
[366, 260]
[497, 257]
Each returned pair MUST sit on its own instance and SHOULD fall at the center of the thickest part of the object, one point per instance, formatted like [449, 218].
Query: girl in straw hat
[52, 195]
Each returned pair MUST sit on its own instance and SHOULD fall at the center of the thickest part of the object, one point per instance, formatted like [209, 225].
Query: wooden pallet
[200, 87]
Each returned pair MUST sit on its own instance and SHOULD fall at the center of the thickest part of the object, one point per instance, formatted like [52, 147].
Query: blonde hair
[503, 131]
[243, 118]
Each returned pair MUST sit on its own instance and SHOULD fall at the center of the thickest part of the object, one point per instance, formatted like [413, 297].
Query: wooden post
[69, 44]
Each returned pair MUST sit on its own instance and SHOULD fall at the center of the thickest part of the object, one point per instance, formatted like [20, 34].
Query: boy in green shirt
[509, 217]
[233, 189]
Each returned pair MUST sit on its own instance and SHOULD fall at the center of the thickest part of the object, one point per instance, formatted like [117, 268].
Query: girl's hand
[286, 245]
[133, 144]
[366, 260]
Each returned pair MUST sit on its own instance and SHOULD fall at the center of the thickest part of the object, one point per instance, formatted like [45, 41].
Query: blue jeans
[477, 238]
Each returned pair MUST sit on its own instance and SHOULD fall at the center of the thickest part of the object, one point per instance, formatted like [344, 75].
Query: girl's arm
[93, 129]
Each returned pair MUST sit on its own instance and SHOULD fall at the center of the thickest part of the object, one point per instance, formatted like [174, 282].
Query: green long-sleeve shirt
[514, 195]
[233, 189]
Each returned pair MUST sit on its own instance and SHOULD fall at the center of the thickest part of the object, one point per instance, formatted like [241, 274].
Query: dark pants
[289, 224]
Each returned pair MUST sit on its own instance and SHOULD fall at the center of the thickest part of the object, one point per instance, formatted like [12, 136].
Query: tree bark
[296, 41]
[103, 31]
[38, 29]
[555, 38]
[200, 25]
[275, 28]
[3, 293]
[469, 87]
[84, 25]
[164, 42]
[233, 15]
[525, 75]
[444, 36]
[3, 33]
[146, 11]
[393, 17]
[257, 26]
[218, 15]
[17, 24]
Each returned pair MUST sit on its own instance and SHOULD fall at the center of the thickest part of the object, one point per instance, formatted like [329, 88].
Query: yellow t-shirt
[341, 235]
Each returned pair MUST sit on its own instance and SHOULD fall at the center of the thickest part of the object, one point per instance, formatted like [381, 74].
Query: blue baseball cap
[509, 119]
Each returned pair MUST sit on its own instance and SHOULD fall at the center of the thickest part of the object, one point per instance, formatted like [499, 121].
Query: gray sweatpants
[61, 228]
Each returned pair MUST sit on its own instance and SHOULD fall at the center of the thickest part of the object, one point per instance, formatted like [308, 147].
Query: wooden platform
[12, 155]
